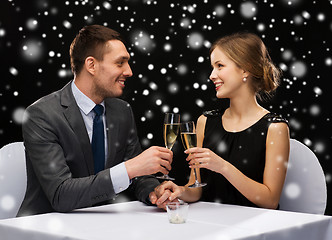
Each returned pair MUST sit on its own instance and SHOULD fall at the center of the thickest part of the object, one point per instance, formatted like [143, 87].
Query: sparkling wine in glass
[189, 140]
[171, 132]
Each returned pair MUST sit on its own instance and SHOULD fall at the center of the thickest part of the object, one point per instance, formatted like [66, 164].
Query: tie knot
[99, 110]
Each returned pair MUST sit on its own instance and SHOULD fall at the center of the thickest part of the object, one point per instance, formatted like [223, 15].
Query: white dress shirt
[119, 175]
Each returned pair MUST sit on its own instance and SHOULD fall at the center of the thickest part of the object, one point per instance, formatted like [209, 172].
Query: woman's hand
[204, 158]
[164, 193]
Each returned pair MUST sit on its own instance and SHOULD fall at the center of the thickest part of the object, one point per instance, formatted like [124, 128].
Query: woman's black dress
[245, 150]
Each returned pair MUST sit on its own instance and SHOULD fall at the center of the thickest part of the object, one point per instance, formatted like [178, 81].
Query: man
[76, 155]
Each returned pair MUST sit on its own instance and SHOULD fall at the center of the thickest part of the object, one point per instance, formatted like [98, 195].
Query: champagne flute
[171, 131]
[189, 140]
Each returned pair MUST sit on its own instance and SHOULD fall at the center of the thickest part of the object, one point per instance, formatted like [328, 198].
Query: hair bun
[271, 76]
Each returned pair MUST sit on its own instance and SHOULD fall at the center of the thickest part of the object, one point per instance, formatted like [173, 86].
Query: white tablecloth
[134, 220]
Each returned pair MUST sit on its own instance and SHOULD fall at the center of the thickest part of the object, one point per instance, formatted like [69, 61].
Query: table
[135, 220]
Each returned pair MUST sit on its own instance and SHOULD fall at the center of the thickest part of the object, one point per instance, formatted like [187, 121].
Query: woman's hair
[90, 41]
[249, 53]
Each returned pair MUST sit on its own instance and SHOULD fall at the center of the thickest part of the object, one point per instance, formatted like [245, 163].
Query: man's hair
[90, 41]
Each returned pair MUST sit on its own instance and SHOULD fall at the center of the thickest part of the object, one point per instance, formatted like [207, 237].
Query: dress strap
[214, 113]
[274, 118]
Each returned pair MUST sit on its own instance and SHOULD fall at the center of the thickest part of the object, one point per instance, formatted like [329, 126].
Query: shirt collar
[83, 101]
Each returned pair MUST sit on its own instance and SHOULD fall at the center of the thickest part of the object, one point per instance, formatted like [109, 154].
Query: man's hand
[164, 193]
[153, 160]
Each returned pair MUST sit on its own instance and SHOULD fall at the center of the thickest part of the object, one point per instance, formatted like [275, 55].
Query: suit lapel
[75, 120]
[112, 129]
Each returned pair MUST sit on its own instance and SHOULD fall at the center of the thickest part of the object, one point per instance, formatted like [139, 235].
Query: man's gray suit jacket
[59, 158]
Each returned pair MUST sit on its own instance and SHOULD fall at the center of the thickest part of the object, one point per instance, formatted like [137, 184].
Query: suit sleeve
[60, 172]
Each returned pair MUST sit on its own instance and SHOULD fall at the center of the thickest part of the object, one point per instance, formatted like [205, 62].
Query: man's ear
[90, 65]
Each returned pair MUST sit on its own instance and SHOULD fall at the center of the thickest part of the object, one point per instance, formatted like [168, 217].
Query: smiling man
[81, 142]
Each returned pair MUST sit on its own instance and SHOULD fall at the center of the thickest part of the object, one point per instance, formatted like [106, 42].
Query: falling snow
[169, 47]
[248, 9]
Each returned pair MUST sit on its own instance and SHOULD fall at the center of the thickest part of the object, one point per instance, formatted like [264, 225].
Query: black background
[169, 43]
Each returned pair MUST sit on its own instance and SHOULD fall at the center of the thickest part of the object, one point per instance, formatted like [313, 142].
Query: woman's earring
[244, 79]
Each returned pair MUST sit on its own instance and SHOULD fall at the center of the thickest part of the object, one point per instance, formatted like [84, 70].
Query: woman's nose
[213, 75]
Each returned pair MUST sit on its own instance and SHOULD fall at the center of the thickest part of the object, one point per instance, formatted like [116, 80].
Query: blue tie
[98, 141]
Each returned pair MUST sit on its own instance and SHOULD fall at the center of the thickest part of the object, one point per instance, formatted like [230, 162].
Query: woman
[242, 150]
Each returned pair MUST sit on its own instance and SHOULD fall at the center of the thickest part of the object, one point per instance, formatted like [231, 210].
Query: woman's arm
[264, 194]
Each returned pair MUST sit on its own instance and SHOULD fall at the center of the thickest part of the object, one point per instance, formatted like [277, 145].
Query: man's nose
[127, 72]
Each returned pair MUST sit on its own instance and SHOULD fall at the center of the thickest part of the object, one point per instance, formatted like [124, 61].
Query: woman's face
[226, 75]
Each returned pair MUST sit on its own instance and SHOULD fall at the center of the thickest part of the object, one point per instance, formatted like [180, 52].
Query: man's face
[112, 72]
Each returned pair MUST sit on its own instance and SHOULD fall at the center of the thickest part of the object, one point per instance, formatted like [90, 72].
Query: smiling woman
[248, 53]
[251, 168]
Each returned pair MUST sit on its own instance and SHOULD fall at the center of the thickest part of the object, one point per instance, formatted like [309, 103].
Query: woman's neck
[244, 106]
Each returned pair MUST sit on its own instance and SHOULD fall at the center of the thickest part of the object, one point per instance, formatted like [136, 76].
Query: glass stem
[195, 173]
